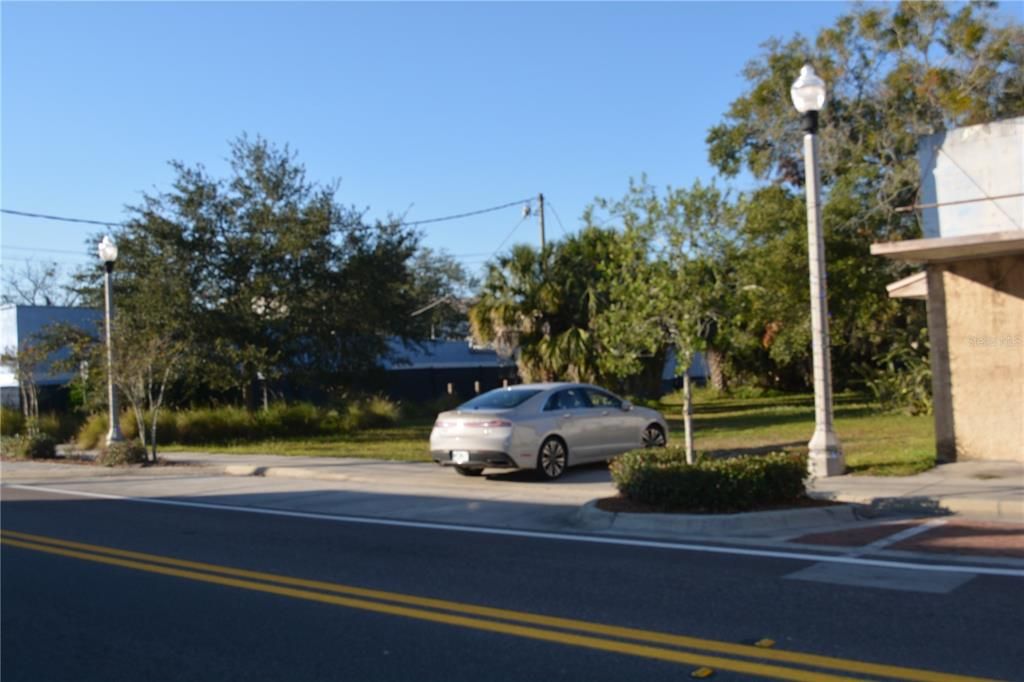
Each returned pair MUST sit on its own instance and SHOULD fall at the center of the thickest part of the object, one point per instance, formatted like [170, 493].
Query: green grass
[874, 442]
[408, 442]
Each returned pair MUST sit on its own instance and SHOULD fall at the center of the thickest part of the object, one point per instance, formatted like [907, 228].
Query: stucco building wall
[976, 320]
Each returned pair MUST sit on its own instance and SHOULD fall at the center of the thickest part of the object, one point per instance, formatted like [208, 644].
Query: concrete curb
[283, 472]
[592, 518]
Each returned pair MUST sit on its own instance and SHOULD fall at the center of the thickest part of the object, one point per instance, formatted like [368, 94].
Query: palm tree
[542, 306]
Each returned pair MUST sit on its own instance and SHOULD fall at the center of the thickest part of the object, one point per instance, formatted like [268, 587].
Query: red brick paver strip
[976, 538]
[856, 537]
[973, 538]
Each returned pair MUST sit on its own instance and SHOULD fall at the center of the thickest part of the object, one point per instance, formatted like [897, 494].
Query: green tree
[670, 277]
[26, 361]
[265, 276]
[543, 305]
[442, 286]
[894, 73]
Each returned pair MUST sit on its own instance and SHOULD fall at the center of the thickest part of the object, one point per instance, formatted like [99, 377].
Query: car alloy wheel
[553, 459]
[653, 437]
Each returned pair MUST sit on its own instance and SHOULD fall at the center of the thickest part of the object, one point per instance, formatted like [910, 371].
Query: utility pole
[540, 200]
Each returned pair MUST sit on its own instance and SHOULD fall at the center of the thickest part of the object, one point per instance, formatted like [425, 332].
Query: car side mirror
[626, 406]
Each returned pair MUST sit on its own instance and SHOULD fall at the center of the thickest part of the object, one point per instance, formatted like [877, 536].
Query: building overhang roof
[915, 286]
[946, 249]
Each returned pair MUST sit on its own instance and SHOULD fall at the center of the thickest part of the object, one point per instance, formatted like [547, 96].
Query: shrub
[662, 478]
[36, 446]
[122, 453]
[92, 433]
[442, 403]
[40, 446]
[281, 420]
[62, 426]
[901, 380]
[12, 422]
[373, 413]
[214, 425]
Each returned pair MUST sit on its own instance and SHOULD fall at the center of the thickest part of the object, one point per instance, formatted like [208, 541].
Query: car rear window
[500, 399]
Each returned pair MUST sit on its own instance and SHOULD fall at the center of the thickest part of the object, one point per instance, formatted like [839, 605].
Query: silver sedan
[546, 427]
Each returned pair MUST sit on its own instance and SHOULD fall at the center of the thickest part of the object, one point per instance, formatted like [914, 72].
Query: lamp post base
[824, 456]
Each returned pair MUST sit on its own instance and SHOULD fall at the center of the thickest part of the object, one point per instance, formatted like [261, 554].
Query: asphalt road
[96, 589]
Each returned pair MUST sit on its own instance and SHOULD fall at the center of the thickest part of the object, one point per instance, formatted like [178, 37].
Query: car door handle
[567, 416]
[604, 413]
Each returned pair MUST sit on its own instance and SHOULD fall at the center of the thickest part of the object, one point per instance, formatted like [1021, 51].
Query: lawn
[874, 442]
[407, 442]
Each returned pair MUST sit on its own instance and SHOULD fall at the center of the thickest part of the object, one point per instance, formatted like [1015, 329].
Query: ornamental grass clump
[662, 479]
[376, 412]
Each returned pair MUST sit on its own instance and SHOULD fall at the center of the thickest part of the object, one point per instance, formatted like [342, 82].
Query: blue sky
[418, 108]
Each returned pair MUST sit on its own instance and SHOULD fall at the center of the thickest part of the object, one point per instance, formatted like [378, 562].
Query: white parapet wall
[973, 165]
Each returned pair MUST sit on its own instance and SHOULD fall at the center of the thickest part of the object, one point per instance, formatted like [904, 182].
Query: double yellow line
[691, 651]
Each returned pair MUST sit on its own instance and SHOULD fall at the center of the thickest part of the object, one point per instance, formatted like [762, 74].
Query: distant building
[18, 325]
[972, 201]
[698, 371]
[418, 373]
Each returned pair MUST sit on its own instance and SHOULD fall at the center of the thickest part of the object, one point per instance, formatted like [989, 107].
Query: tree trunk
[716, 369]
[140, 421]
[152, 431]
[688, 418]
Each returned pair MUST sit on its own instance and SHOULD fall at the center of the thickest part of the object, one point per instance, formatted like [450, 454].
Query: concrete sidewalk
[988, 490]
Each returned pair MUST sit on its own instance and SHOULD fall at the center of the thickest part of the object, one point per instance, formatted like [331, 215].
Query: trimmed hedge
[662, 478]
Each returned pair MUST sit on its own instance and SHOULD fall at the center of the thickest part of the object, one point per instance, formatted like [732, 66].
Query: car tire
[469, 471]
[552, 458]
[653, 437]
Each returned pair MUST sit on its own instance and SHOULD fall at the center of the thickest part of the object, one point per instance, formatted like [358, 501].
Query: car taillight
[490, 424]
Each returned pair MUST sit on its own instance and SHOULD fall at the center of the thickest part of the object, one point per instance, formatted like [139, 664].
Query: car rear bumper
[478, 459]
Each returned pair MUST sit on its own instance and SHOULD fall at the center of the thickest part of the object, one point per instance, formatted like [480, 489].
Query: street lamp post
[108, 254]
[825, 457]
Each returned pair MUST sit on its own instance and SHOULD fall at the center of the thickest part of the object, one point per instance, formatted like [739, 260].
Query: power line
[508, 236]
[59, 261]
[553, 210]
[33, 248]
[26, 214]
[411, 223]
[468, 214]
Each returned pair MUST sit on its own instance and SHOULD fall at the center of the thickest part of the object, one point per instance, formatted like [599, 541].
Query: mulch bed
[620, 504]
[87, 460]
